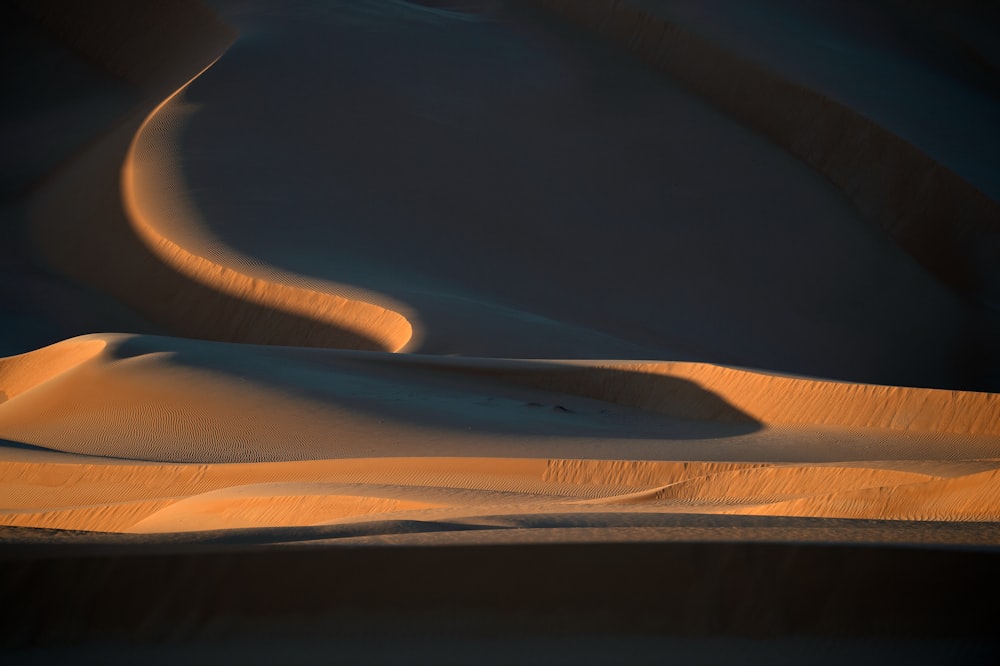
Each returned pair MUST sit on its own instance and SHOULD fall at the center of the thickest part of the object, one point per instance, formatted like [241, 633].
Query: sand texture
[590, 330]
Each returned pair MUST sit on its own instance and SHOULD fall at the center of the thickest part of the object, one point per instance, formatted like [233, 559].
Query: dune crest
[781, 400]
[268, 505]
[89, 219]
[969, 498]
[495, 492]
[25, 371]
[152, 195]
[163, 399]
[706, 391]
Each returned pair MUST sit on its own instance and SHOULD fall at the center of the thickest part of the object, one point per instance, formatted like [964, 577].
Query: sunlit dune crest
[25, 371]
[777, 399]
[152, 191]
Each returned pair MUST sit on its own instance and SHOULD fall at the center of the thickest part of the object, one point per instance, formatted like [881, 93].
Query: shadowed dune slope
[152, 190]
[578, 205]
[555, 608]
[797, 81]
[89, 221]
[137, 42]
[172, 386]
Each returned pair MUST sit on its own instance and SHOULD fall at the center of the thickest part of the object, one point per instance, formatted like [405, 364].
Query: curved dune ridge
[89, 222]
[152, 191]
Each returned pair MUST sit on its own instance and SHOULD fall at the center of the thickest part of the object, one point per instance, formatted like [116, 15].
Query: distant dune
[895, 183]
[644, 323]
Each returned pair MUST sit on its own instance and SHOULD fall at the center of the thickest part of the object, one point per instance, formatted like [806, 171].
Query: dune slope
[906, 165]
[91, 221]
[204, 435]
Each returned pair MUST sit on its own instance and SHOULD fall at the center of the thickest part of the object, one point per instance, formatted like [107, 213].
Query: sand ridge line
[327, 492]
[706, 391]
[170, 400]
[148, 203]
[284, 504]
[30, 486]
[634, 473]
[78, 221]
[109, 517]
[209, 512]
[772, 483]
[971, 497]
[25, 371]
[786, 400]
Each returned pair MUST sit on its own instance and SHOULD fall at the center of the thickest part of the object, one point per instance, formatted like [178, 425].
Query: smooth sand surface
[522, 332]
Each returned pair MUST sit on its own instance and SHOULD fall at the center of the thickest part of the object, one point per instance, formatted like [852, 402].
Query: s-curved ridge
[158, 212]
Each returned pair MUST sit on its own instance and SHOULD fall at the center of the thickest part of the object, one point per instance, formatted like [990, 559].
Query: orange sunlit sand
[501, 275]
[464, 438]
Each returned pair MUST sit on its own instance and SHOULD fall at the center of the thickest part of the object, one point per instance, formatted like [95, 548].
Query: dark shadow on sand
[478, 395]
[678, 589]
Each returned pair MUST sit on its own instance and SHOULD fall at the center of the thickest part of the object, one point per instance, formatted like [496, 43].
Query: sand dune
[525, 333]
[482, 436]
[456, 200]
[93, 224]
[152, 190]
[453, 489]
[320, 403]
[892, 164]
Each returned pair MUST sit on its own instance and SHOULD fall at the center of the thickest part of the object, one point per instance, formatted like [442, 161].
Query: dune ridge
[87, 221]
[156, 498]
[25, 371]
[737, 394]
[780, 400]
[156, 210]
[188, 399]
[973, 497]
[948, 225]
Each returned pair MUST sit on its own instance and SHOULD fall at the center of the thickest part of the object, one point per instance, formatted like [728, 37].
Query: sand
[576, 330]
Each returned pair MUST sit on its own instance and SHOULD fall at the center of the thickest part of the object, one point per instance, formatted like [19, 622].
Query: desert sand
[492, 332]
